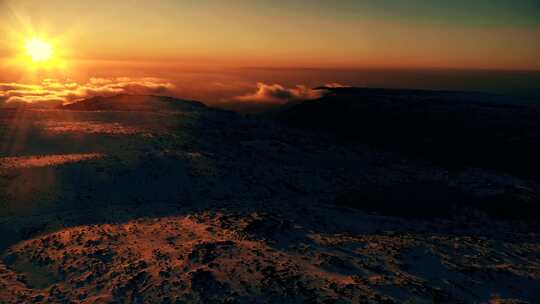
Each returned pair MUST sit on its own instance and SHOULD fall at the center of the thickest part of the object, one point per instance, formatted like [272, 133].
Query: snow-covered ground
[209, 206]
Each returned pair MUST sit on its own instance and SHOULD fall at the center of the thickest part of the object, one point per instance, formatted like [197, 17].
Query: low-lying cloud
[67, 91]
[275, 93]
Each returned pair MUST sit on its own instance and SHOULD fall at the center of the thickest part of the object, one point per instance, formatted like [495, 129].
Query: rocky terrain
[187, 204]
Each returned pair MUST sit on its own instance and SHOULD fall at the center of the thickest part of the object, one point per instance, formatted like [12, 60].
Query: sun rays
[33, 50]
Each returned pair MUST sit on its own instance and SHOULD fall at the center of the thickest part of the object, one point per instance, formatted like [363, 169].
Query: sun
[39, 50]
[38, 54]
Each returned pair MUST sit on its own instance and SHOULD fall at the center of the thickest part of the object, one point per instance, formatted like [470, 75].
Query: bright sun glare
[39, 50]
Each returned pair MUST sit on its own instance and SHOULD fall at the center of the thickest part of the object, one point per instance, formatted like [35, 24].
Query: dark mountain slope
[454, 128]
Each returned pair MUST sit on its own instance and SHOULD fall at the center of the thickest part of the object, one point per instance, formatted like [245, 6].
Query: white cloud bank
[275, 93]
[67, 91]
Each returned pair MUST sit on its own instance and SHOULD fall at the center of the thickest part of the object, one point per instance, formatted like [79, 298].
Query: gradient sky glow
[217, 51]
[493, 34]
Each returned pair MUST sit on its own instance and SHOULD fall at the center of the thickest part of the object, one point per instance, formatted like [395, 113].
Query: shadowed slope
[454, 128]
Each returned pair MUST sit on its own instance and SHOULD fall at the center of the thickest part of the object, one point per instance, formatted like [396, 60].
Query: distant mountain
[134, 103]
[454, 128]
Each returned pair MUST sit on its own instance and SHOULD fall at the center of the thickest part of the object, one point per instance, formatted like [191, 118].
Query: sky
[172, 39]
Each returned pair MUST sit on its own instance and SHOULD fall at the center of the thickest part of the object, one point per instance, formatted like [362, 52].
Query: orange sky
[352, 34]
[204, 44]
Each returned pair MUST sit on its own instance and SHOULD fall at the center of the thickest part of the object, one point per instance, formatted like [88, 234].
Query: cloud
[67, 91]
[276, 93]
